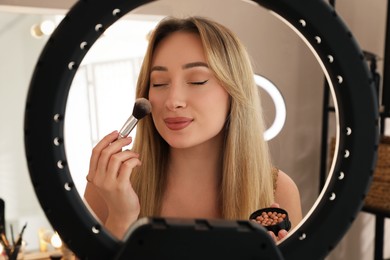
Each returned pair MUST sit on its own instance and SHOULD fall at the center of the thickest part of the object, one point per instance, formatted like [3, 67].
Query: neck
[193, 180]
[202, 161]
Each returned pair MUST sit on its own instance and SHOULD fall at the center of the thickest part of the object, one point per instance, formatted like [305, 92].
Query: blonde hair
[247, 181]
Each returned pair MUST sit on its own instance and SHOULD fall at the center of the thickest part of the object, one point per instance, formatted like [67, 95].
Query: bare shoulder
[288, 197]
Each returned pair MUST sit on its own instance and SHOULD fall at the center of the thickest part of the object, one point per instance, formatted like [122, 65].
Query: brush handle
[20, 237]
[2, 216]
[128, 127]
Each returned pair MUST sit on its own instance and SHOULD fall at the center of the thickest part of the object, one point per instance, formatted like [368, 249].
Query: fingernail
[283, 233]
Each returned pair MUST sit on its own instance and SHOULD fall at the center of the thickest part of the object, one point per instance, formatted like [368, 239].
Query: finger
[275, 205]
[272, 236]
[116, 162]
[282, 233]
[87, 179]
[96, 151]
[107, 153]
[127, 168]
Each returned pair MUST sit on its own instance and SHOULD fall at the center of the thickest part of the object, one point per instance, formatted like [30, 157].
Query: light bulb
[36, 31]
[44, 28]
[56, 240]
[47, 27]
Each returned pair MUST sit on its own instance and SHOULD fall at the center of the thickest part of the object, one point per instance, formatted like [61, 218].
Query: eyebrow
[195, 64]
[185, 66]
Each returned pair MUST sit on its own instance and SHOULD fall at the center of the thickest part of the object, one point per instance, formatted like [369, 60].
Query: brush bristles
[142, 107]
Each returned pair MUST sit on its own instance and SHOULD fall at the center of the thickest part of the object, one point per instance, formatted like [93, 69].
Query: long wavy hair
[246, 178]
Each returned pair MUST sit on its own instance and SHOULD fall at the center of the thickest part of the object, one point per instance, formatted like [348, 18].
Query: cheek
[221, 101]
[155, 105]
[218, 109]
[155, 100]
[226, 104]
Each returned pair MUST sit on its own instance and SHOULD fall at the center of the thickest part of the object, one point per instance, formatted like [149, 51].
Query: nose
[176, 97]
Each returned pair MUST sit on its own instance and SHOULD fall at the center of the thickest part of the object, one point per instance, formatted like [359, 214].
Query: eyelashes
[199, 82]
[190, 83]
[155, 85]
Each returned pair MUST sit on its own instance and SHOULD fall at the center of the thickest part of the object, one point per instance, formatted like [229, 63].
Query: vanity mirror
[325, 35]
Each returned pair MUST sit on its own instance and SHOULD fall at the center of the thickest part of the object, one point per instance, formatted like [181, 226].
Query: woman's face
[189, 106]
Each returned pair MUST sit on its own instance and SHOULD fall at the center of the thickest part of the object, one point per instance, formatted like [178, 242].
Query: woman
[201, 152]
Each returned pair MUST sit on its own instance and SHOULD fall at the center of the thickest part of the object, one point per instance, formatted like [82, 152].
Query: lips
[177, 123]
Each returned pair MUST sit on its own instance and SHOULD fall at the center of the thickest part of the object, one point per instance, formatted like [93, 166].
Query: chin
[179, 144]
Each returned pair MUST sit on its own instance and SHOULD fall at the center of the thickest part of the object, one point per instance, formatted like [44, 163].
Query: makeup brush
[142, 107]
[2, 216]
[20, 238]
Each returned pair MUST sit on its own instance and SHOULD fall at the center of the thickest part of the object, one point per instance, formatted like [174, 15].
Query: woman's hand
[282, 233]
[109, 174]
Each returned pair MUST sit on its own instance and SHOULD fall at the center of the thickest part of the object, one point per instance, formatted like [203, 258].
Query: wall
[18, 54]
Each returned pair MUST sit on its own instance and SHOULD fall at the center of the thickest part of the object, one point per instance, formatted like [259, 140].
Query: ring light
[280, 106]
[344, 67]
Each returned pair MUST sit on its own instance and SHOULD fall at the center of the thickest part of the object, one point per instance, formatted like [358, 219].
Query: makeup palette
[273, 219]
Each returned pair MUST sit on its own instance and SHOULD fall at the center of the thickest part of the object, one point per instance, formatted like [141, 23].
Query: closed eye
[158, 84]
[198, 82]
